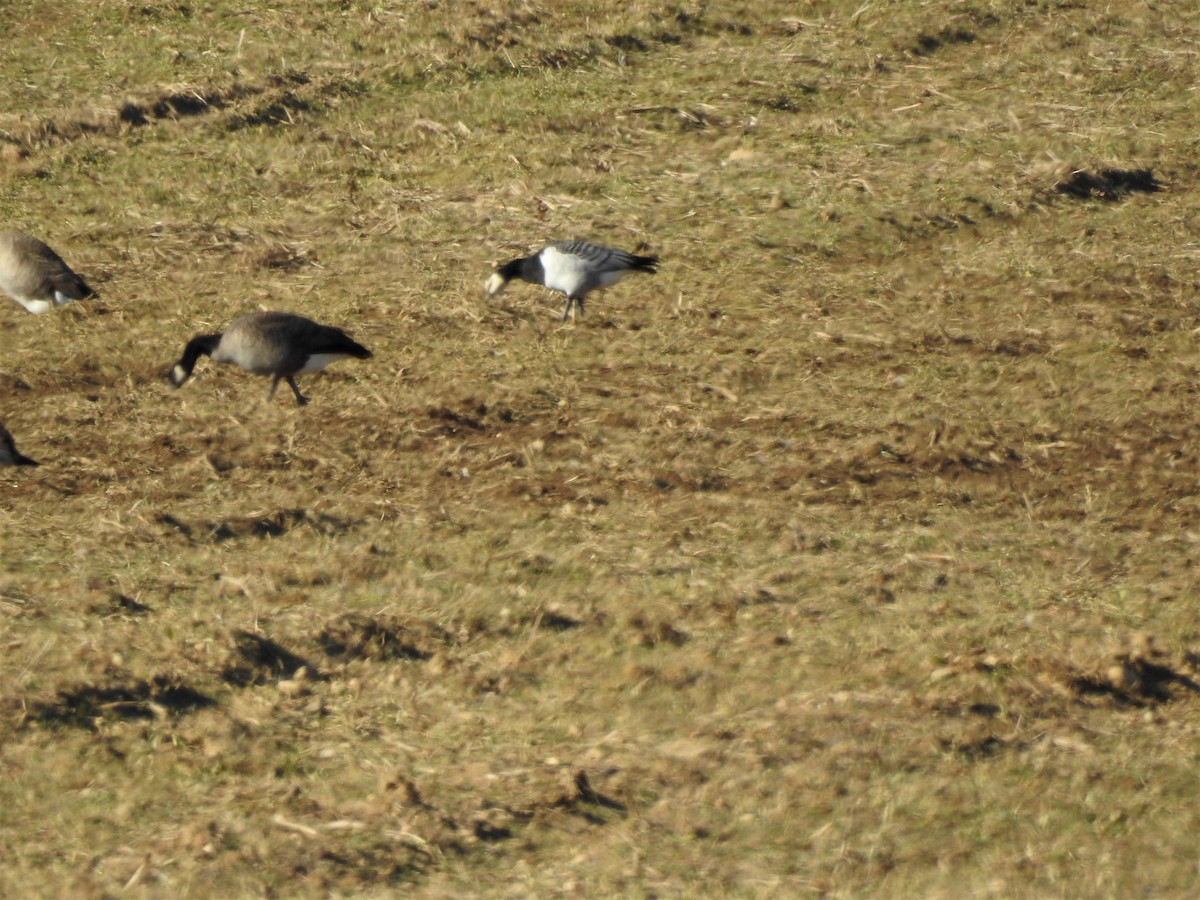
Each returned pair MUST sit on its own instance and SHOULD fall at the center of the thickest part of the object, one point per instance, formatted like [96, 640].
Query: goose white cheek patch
[495, 284]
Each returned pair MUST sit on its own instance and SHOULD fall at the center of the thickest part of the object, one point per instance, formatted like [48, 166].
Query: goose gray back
[35, 276]
[9, 454]
[574, 268]
[276, 344]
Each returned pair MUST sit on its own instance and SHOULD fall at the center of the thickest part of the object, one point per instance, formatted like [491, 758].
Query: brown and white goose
[278, 344]
[35, 276]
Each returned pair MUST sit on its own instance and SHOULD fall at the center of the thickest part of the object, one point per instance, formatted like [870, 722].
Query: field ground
[854, 553]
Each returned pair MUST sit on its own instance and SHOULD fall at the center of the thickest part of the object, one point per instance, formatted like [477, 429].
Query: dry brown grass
[851, 554]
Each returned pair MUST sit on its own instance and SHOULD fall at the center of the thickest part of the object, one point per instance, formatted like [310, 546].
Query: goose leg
[300, 398]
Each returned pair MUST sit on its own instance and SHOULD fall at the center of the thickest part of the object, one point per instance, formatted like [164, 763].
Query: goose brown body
[35, 276]
[276, 344]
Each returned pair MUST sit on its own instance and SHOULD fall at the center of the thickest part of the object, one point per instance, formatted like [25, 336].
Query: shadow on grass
[259, 660]
[83, 706]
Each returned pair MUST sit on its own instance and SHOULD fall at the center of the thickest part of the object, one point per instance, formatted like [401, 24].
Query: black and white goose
[278, 344]
[35, 276]
[9, 454]
[574, 268]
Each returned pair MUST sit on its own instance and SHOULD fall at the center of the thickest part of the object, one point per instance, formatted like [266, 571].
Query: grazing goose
[9, 454]
[574, 268]
[35, 276]
[278, 344]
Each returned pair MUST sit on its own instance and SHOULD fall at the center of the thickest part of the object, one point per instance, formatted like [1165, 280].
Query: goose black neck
[528, 268]
[201, 345]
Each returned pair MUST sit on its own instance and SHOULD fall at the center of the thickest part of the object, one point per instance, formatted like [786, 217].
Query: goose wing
[58, 276]
[327, 339]
[599, 259]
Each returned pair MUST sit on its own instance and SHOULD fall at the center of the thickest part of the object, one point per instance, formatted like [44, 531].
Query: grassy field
[854, 553]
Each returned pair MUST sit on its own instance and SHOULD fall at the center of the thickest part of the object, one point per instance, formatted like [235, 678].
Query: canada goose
[574, 268]
[9, 454]
[278, 344]
[35, 276]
